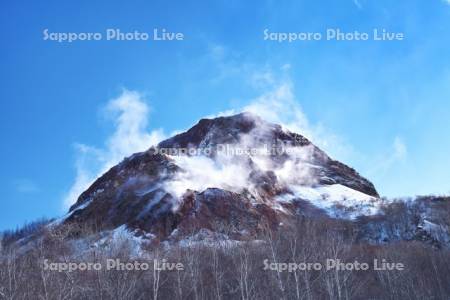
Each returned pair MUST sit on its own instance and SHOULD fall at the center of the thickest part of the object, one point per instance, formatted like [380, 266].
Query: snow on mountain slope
[337, 200]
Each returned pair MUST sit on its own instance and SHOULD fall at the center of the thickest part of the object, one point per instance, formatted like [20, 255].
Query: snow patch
[337, 200]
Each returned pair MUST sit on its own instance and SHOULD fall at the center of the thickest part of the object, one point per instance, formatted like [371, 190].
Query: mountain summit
[237, 172]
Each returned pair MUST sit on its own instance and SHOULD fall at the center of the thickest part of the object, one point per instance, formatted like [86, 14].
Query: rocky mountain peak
[165, 193]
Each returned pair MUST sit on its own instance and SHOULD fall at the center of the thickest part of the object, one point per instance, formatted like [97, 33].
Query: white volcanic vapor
[201, 172]
[232, 167]
[130, 114]
[279, 106]
[298, 169]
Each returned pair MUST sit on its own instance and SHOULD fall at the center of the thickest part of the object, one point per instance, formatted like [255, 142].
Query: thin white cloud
[25, 186]
[224, 63]
[358, 4]
[397, 153]
[400, 150]
[130, 114]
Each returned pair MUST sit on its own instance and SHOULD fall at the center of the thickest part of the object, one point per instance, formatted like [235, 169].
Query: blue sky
[381, 107]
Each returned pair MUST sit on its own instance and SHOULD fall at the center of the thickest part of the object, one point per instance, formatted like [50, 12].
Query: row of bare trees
[229, 270]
